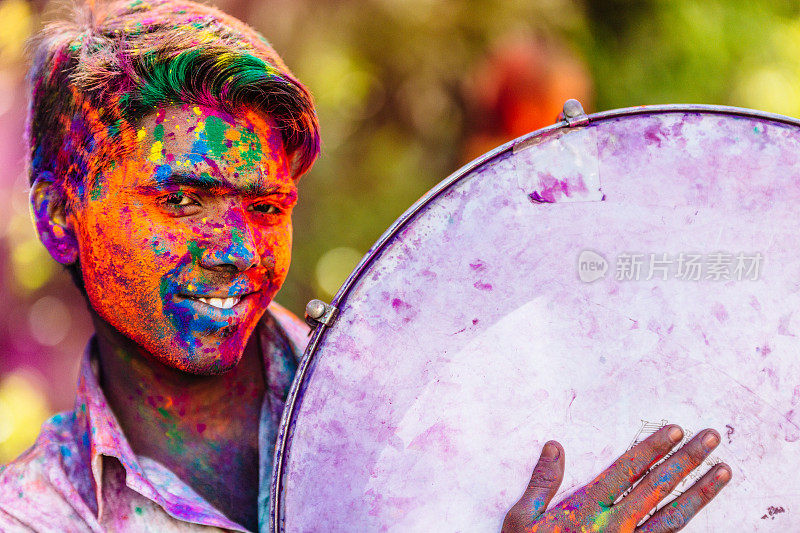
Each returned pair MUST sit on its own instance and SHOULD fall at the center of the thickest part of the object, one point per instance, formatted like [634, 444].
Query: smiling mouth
[219, 303]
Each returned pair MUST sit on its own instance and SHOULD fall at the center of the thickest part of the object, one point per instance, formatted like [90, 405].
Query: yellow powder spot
[196, 110]
[140, 134]
[207, 36]
[201, 126]
[155, 151]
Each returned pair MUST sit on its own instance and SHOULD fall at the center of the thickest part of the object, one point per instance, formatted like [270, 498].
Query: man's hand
[593, 507]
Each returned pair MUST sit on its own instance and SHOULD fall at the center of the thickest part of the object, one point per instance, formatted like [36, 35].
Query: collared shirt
[82, 475]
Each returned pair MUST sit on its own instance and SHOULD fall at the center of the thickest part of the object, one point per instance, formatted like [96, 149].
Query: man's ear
[49, 206]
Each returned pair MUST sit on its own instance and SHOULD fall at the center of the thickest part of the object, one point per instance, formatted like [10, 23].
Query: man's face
[184, 243]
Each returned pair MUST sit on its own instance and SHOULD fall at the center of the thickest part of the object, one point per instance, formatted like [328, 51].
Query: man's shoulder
[26, 475]
[295, 329]
[54, 441]
[38, 490]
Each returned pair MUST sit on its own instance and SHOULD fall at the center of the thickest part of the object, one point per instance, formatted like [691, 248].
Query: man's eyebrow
[174, 180]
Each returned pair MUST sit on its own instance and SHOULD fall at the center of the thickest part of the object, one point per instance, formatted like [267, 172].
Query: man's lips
[216, 313]
[220, 303]
[218, 300]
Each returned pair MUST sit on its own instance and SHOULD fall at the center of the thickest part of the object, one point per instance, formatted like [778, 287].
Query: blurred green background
[407, 91]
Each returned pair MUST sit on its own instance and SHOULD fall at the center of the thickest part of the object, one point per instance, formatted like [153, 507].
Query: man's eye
[179, 200]
[266, 209]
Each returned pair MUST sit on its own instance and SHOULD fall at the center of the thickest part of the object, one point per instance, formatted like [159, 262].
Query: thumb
[544, 483]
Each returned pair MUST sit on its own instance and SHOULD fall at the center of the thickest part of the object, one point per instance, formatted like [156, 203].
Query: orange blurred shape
[519, 87]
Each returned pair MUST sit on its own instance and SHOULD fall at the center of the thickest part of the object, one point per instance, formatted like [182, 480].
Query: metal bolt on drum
[574, 113]
[319, 312]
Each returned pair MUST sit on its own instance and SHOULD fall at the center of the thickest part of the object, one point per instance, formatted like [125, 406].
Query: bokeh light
[23, 408]
[333, 268]
[49, 320]
[17, 27]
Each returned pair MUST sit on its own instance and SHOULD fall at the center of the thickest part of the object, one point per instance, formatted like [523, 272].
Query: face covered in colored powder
[184, 242]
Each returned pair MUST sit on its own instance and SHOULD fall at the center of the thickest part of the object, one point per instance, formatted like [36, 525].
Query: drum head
[586, 284]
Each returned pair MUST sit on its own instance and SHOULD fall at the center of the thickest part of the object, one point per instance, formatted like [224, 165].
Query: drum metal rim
[287, 418]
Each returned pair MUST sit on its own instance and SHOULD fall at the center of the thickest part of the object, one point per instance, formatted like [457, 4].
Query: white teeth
[221, 303]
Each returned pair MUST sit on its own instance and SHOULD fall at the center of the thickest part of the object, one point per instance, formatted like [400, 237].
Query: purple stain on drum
[653, 134]
[730, 431]
[378, 502]
[772, 511]
[676, 132]
[435, 439]
[481, 286]
[655, 327]
[553, 189]
[764, 350]
[405, 310]
[720, 312]
[428, 275]
[794, 436]
[573, 395]
[536, 198]
[783, 325]
[478, 265]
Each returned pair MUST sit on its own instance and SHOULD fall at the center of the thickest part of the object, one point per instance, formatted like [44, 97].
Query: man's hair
[94, 77]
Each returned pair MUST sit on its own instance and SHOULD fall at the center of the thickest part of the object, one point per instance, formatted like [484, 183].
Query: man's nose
[233, 246]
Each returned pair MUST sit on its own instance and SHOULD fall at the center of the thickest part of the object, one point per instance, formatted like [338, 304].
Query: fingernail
[711, 440]
[550, 452]
[723, 474]
[675, 434]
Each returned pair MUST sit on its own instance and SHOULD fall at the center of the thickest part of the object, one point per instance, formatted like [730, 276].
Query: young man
[166, 140]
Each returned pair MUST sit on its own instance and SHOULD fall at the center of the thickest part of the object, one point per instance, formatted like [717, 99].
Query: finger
[665, 477]
[544, 483]
[631, 465]
[545, 480]
[676, 514]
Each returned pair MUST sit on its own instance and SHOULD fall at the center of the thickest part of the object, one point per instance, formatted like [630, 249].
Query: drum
[587, 283]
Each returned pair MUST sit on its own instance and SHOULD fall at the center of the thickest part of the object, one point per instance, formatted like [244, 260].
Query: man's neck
[203, 428]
